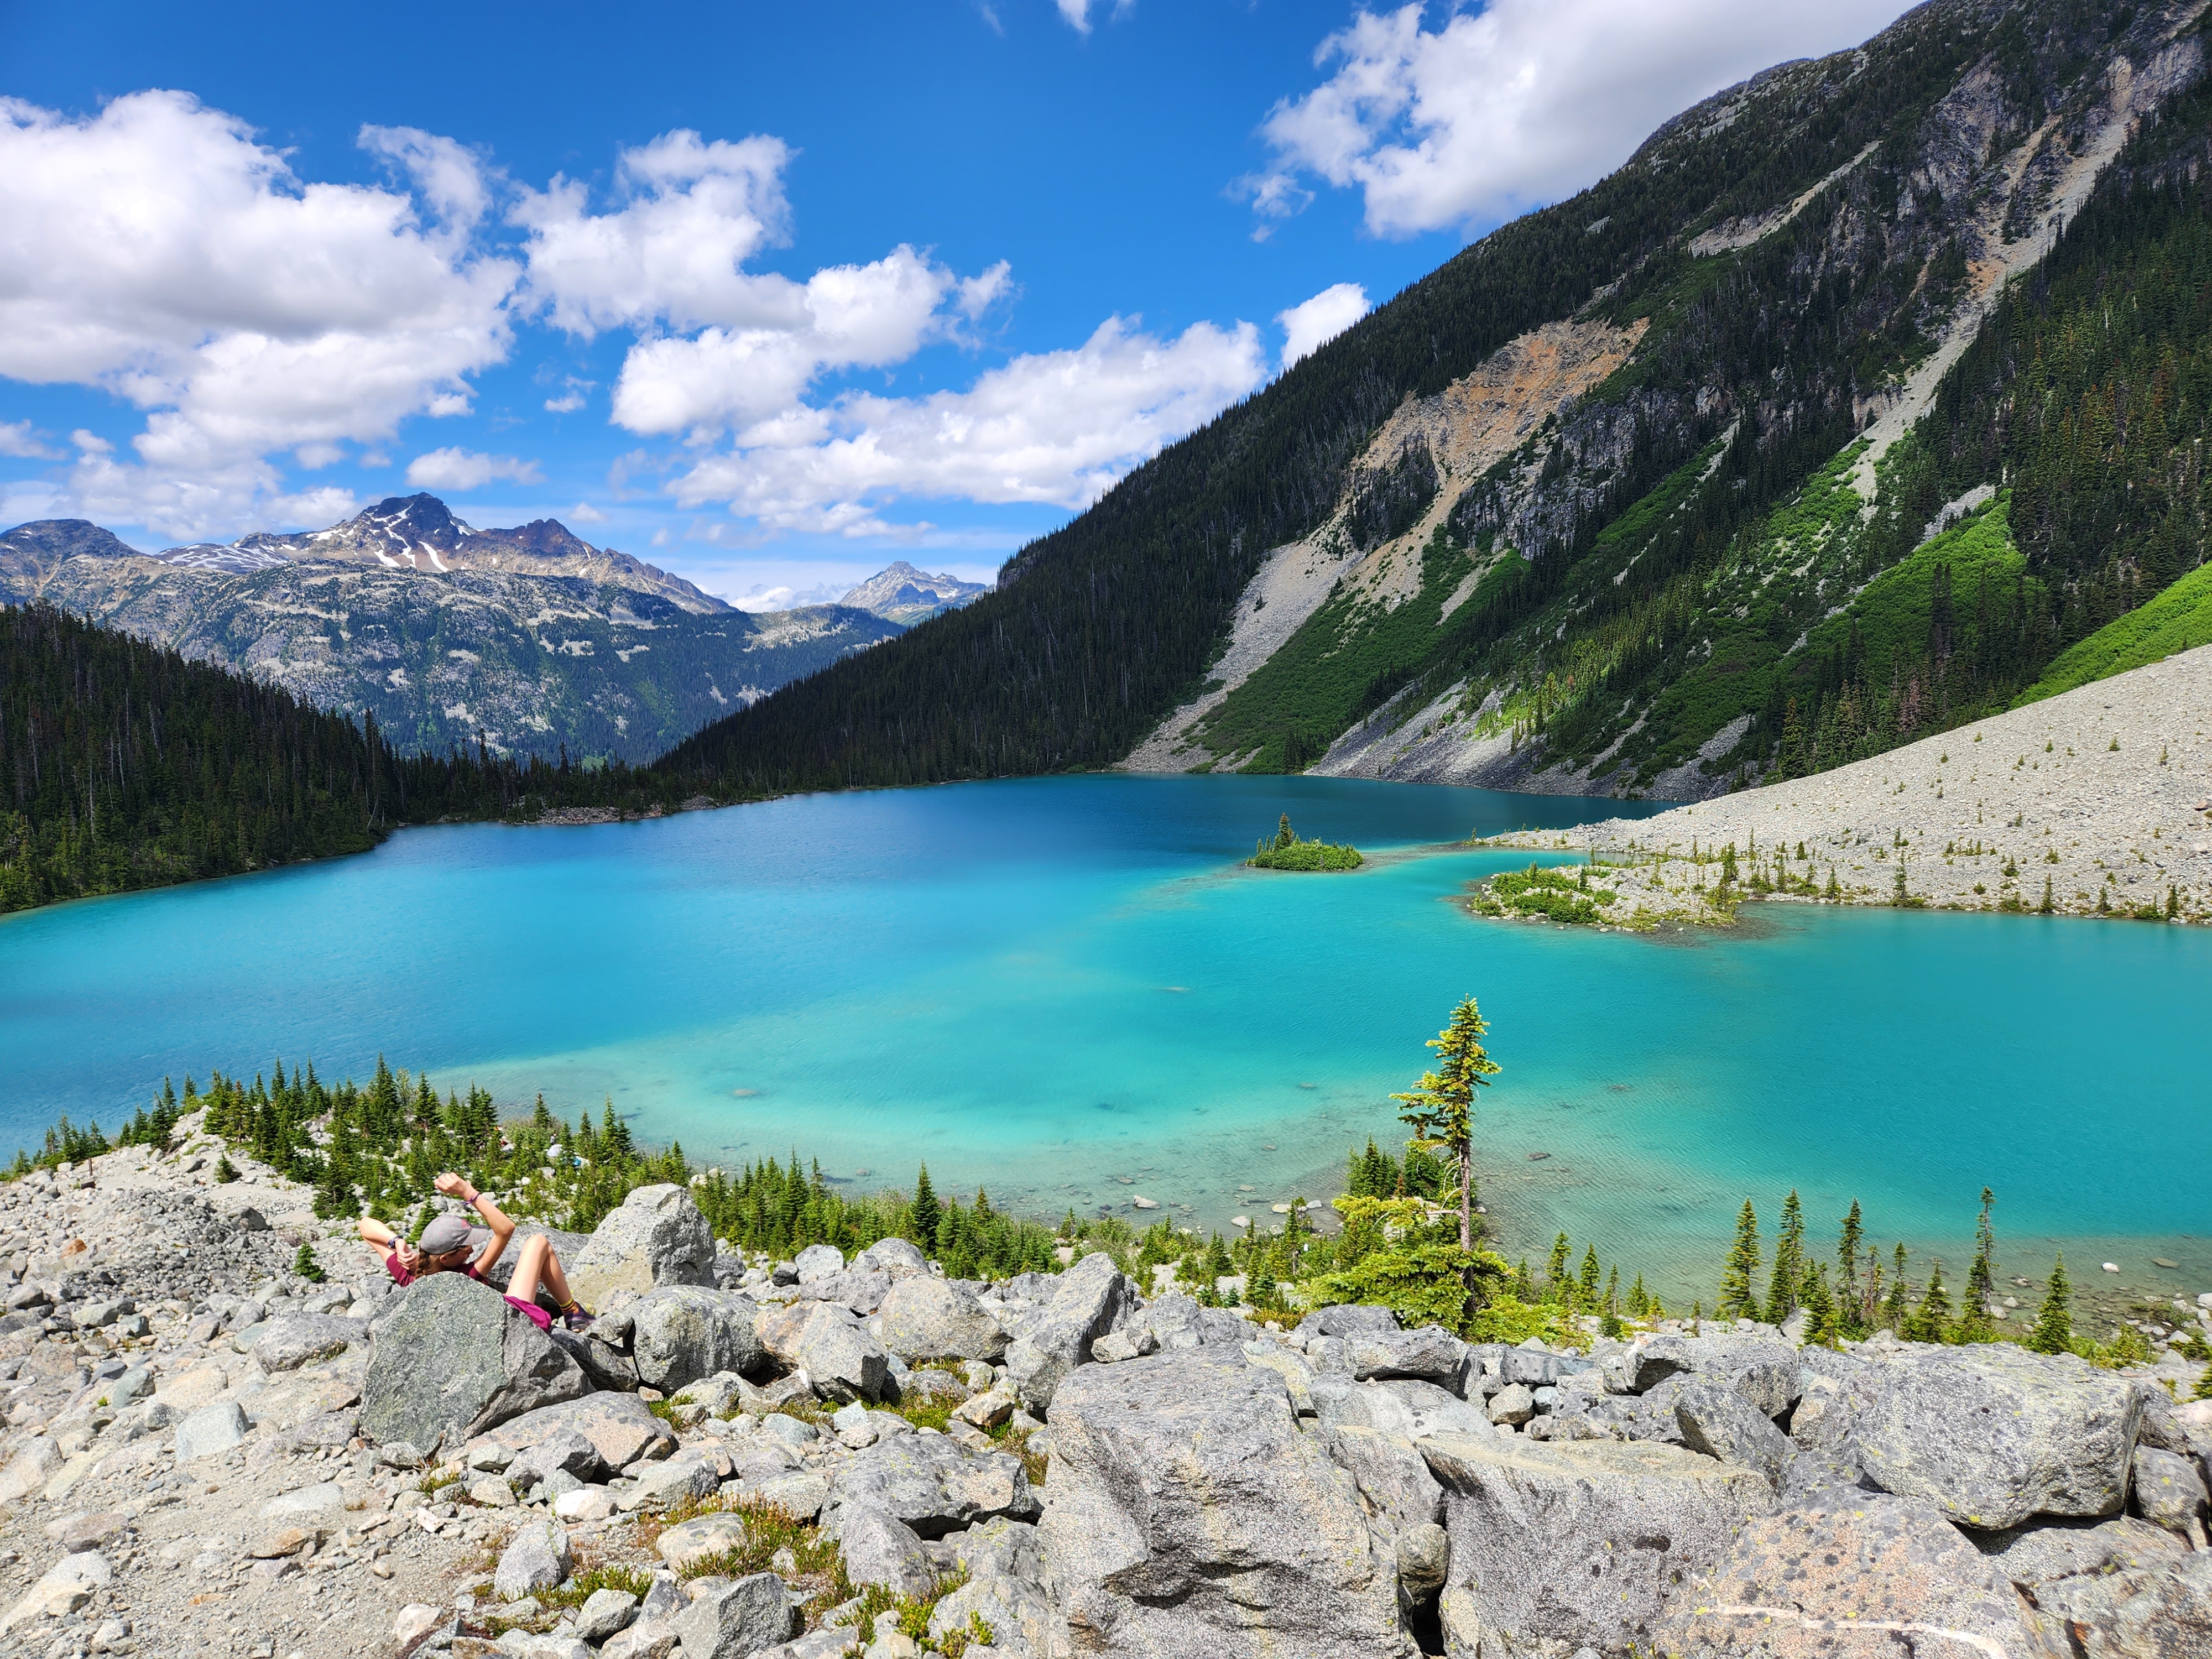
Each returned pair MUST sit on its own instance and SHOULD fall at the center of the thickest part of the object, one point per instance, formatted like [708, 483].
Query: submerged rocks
[1992, 1434]
[1878, 1576]
[1187, 1514]
[1578, 1544]
[656, 1236]
[453, 1359]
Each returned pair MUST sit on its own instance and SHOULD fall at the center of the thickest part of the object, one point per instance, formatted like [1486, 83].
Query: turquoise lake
[1045, 987]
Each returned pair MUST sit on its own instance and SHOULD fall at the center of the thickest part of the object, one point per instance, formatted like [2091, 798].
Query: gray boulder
[1656, 1360]
[656, 1236]
[897, 1257]
[210, 1431]
[1430, 1354]
[598, 1355]
[681, 1333]
[2033, 1557]
[617, 1426]
[818, 1261]
[1424, 1553]
[1718, 1421]
[839, 1355]
[1578, 1544]
[2169, 1492]
[1177, 1320]
[861, 1292]
[1348, 1319]
[455, 1359]
[291, 1340]
[564, 1452]
[536, 1557]
[1819, 1478]
[927, 1318]
[1185, 1514]
[1396, 1487]
[2159, 1613]
[881, 1549]
[1991, 1434]
[566, 1245]
[1094, 1297]
[737, 1620]
[931, 1483]
[1879, 1576]
[1406, 1409]
[1765, 1372]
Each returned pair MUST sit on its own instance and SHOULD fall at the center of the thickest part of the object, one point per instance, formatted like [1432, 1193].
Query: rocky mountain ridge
[531, 638]
[902, 594]
[206, 1449]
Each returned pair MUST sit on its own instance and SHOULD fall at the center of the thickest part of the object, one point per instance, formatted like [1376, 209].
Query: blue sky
[768, 295]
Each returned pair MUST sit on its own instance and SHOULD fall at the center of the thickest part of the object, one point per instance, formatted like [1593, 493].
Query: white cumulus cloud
[1524, 101]
[1056, 427]
[18, 439]
[1076, 13]
[158, 251]
[464, 469]
[1316, 322]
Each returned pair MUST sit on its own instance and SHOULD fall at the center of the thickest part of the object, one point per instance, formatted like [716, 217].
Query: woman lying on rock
[450, 1245]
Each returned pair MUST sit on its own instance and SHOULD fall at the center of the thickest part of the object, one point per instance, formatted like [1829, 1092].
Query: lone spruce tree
[1784, 1289]
[2054, 1325]
[1975, 1323]
[1440, 1107]
[926, 1212]
[1738, 1300]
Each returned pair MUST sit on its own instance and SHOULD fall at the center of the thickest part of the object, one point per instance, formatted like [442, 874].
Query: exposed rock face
[681, 1333]
[1882, 1577]
[838, 1352]
[1165, 1523]
[454, 1360]
[925, 1318]
[1580, 1544]
[934, 1484]
[617, 1426]
[1094, 1297]
[1992, 1434]
[655, 1236]
[2140, 1614]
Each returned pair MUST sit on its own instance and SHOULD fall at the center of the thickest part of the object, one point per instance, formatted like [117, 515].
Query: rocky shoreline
[2101, 797]
[209, 1452]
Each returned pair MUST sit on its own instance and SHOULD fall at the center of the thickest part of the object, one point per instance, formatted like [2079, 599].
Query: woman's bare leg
[529, 1264]
[555, 1279]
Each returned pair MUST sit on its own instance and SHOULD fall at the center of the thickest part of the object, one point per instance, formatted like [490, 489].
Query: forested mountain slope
[530, 639]
[1602, 502]
[124, 765]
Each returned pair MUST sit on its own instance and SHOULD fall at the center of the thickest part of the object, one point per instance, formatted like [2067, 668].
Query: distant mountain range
[906, 596]
[530, 637]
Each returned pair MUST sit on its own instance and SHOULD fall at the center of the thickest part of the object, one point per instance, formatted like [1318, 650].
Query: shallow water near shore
[1066, 990]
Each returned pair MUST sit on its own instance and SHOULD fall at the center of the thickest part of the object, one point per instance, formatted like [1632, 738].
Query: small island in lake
[1287, 852]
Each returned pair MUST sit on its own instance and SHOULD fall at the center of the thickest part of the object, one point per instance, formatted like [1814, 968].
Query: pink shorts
[530, 1310]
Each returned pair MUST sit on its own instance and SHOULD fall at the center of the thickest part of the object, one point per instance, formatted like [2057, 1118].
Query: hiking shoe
[577, 1320]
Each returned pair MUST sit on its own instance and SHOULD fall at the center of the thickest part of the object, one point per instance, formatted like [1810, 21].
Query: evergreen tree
[1440, 1107]
[305, 1266]
[1931, 1321]
[1975, 1324]
[1783, 1288]
[2054, 1323]
[1737, 1299]
[1897, 1307]
[1588, 1280]
[1285, 836]
[1823, 1327]
[1558, 1287]
[1847, 1260]
[922, 1224]
[225, 1170]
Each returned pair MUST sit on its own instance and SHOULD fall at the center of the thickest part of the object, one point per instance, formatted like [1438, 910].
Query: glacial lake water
[1067, 990]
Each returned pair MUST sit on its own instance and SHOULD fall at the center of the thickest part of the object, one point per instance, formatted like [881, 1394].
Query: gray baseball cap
[449, 1232]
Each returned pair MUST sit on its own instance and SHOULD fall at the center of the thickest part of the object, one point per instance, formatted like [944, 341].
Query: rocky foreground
[2103, 795]
[208, 1453]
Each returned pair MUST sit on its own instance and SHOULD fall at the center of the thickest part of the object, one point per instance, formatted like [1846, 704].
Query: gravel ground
[2099, 796]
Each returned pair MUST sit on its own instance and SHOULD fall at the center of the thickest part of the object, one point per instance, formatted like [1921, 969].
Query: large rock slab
[654, 1237]
[1991, 1435]
[1578, 1544]
[1178, 1321]
[933, 1484]
[737, 1620]
[2033, 1557]
[455, 1359]
[1396, 1487]
[925, 1318]
[681, 1333]
[2161, 1613]
[1094, 1297]
[536, 1557]
[839, 1355]
[618, 1426]
[1719, 1421]
[1875, 1579]
[291, 1340]
[1185, 1514]
[1430, 1354]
